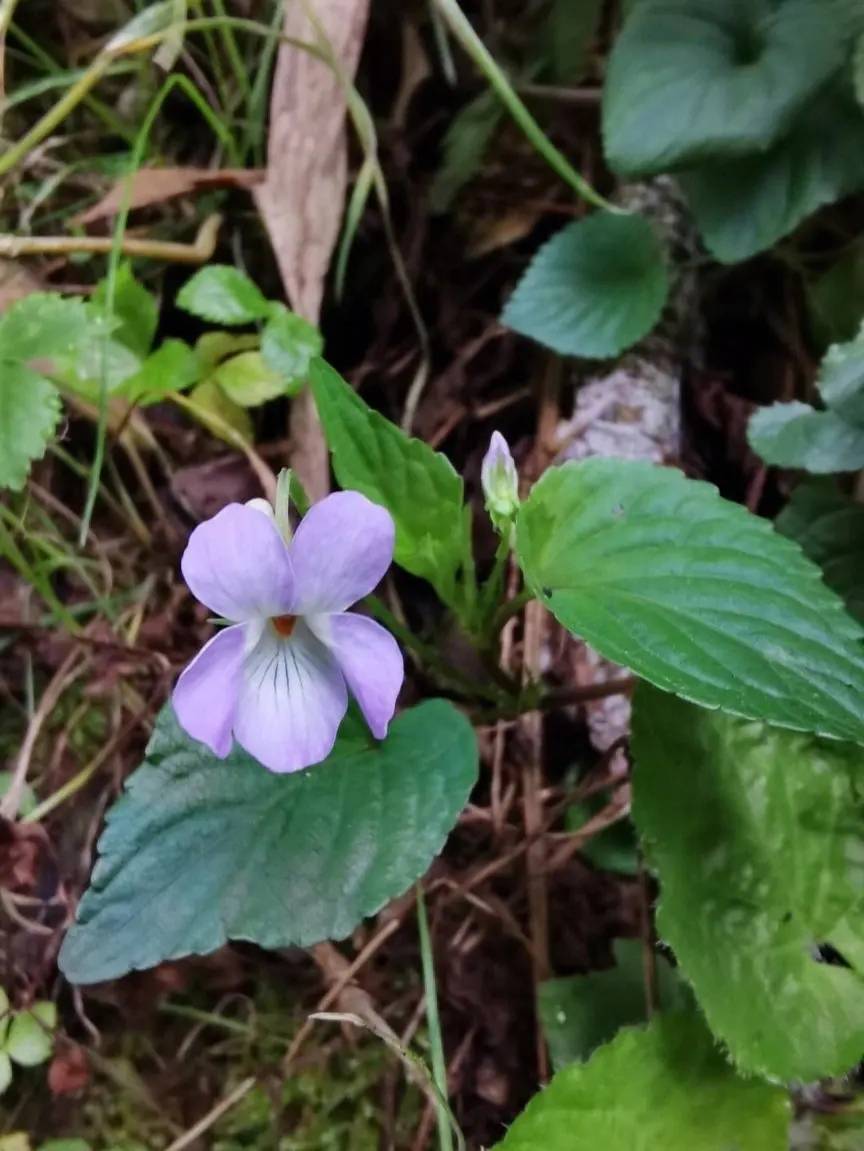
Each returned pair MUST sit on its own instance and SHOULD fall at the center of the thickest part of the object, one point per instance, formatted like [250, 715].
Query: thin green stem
[508, 610]
[233, 53]
[56, 115]
[108, 116]
[461, 28]
[433, 1019]
[175, 81]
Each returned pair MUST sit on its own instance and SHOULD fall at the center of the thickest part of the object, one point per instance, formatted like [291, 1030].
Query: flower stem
[461, 28]
[508, 610]
[436, 1041]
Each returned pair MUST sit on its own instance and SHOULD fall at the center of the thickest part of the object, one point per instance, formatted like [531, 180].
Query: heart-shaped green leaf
[757, 836]
[201, 850]
[829, 528]
[665, 1086]
[794, 435]
[30, 1039]
[223, 295]
[745, 205]
[690, 80]
[289, 344]
[596, 287]
[579, 1013]
[693, 593]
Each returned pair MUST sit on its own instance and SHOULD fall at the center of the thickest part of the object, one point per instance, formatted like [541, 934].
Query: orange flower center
[284, 624]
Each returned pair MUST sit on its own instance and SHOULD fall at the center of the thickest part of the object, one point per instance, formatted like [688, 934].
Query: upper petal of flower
[370, 660]
[237, 564]
[341, 550]
[292, 700]
[205, 696]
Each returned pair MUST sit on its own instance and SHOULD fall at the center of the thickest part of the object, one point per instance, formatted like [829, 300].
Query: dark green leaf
[201, 850]
[664, 1087]
[836, 299]
[692, 80]
[465, 145]
[693, 593]
[757, 836]
[582, 1012]
[744, 206]
[419, 487]
[223, 295]
[829, 527]
[568, 32]
[612, 849]
[794, 435]
[596, 287]
[289, 344]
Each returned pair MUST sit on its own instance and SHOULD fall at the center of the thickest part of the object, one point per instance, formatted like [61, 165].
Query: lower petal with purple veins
[292, 699]
[370, 660]
[205, 697]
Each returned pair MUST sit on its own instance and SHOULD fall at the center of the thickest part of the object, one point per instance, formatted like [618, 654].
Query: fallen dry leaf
[156, 185]
[302, 198]
[69, 1071]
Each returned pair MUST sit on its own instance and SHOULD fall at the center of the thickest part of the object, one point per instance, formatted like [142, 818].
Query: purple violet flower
[278, 679]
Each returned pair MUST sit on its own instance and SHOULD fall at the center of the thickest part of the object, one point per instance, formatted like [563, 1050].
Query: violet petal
[237, 565]
[340, 552]
[370, 660]
[292, 700]
[205, 696]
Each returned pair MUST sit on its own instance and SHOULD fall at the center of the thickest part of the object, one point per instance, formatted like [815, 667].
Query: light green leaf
[5, 1071]
[289, 344]
[29, 413]
[596, 287]
[44, 327]
[31, 1035]
[665, 1086]
[135, 308]
[100, 357]
[5, 1013]
[744, 206]
[219, 414]
[173, 367]
[691, 80]
[841, 379]
[829, 527]
[151, 20]
[465, 145]
[418, 486]
[214, 347]
[25, 806]
[757, 836]
[247, 381]
[794, 435]
[693, 593]
[223, 295]
[580, 1013]
[207, 850]
[69, 1145]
